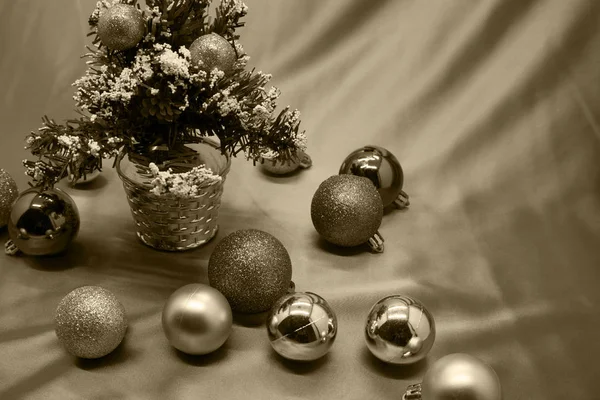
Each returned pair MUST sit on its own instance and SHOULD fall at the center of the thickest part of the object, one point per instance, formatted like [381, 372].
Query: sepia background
[492, 108]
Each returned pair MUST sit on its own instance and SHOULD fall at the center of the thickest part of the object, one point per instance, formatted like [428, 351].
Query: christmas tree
[162, 74]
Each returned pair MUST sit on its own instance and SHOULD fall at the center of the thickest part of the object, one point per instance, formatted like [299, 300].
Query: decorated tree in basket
[168, 96]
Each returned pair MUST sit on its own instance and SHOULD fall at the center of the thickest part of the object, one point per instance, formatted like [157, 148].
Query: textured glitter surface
[121, 27]
[251, 268]
[8, 194]
[43, 222]
[346, 210]
[213, 51]
[90, 322]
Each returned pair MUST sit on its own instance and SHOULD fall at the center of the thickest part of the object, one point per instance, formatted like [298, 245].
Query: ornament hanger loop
[413, 392]
[402, 200]
[10, 248]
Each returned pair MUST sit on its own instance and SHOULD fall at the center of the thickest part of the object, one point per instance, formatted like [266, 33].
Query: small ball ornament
[251, 268]
[90, 322]
[213, 51]
[279, 167]
[346, 210]
[457, 377]
[197, 319]
[42, 222]
[121, 27]
[301, 326]
[399, 330]
[383, 169]
[8, 194]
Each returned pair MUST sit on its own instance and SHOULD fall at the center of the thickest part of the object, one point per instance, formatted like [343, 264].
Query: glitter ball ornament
[213, 51]
[457, 377]
[8, 194]
[197, 319]
[347, 211]
[278, 167]
[42, 222]
[301, 326]
[121, 27]
[399, 330]
[90, 322]
[251, 268]
[383, 169]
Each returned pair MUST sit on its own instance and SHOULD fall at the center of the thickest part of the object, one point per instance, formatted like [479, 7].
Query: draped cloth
[492, 108]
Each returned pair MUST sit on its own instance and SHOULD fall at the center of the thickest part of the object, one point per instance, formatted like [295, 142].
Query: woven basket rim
[222, 173]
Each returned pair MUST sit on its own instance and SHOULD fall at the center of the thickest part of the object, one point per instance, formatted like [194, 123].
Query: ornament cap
[402, 200]
[10, 248]
[413, 392]
[376, 243]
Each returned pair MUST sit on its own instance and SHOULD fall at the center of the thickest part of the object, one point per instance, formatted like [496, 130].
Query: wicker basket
[171, 223]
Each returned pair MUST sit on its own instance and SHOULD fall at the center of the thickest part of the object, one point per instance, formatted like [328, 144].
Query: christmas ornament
[42, 222]
[251, 268]
[197, 319]
[213, 51]
[383, 169]
[301, 326]
[121, 27]
[399, 330]
[278, 167]
[347, 210]
[457, 377]
[90, 322]
[8, 194]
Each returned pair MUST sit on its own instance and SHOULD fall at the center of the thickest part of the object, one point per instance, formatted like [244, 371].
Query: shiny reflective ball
[460, 377]
[90, 322]
[251, 268]
[301, 326]
[8, 194]
[381, 167]
[43, 222]
[399, 330]
[213, 51]
[280, 167]
[346, 210]
[121, 27]
[197, 319]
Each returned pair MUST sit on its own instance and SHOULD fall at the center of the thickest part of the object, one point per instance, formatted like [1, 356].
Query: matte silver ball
[399, 330]
[197, 319]
[90, 322]
[213, 51]
[381, 167]
[251, 268]
[8, 194]
[301, 326]
[121, 27]
[460, 377]
[346, 210]
[43, 222]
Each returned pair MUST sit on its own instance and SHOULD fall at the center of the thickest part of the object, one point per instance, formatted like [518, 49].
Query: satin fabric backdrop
[493, 109]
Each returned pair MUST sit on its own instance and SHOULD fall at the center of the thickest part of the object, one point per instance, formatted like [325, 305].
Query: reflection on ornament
[383, 169]
[121, 27]
[8, 194]
[251, 268]
[213, 51]
[347, 211]
[197, 319]
[42, 222]
[279, 167]
[301, 326]
[458, 377]
[90, 322]
[399, 330]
